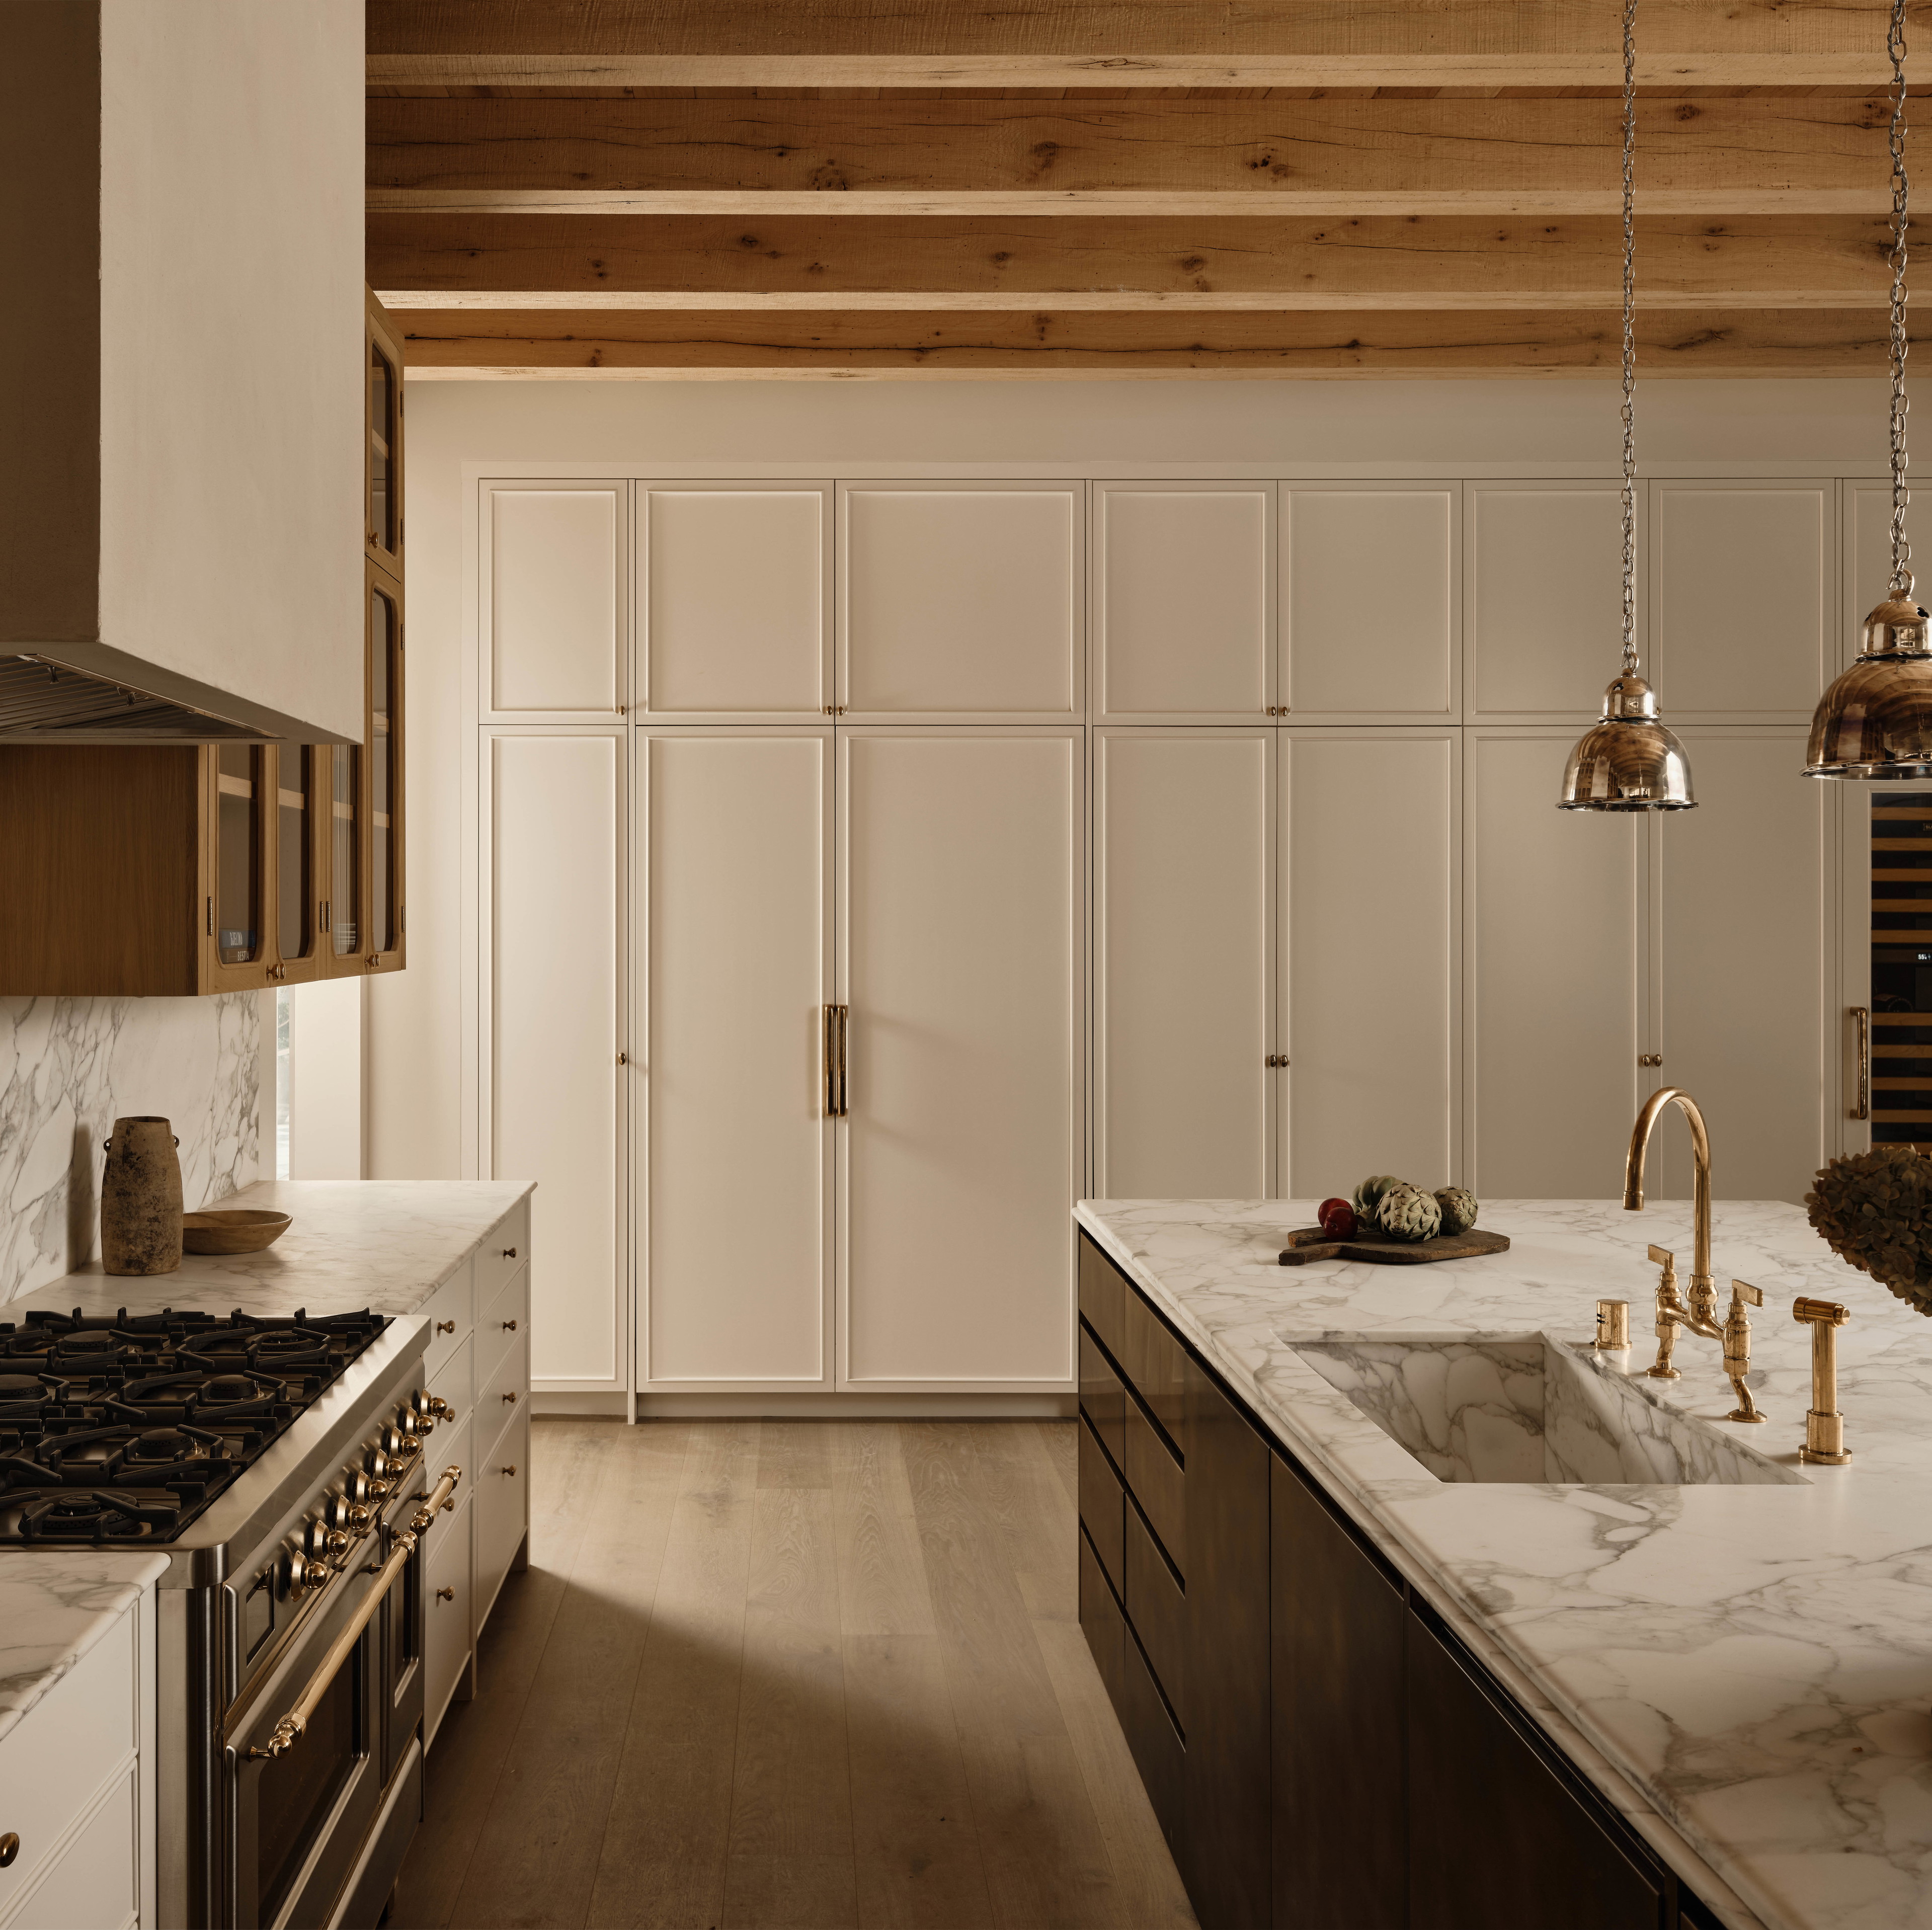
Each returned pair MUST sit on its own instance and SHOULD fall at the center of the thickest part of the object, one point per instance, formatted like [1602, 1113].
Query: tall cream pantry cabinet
[809, 873]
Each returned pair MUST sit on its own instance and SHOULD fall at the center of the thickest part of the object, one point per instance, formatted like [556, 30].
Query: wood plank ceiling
[1101, 188]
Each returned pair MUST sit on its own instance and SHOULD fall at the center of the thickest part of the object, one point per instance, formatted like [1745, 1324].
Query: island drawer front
[453, 1445]
[1100, 1619]
[53, 1760]
[446, 1618]
[1102, 1399]
[97, 1878]
[1157, 1748]
[1151, 1358]
[508, 1388]
[451, 1310]
[455, 1382]
[504, 1250]
[1155, 1478]
[500, 1324]
[1157, 1612]
[1101, 1503]
[499, 1510]
[1103, 1291]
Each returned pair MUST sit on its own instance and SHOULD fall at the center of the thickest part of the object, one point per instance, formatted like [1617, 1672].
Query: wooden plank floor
[790, 1676]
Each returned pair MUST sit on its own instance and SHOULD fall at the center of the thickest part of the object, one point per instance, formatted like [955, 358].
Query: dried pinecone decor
[1874, 1211]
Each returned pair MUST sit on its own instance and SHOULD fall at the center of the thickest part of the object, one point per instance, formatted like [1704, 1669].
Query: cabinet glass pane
[345, 880]
[238, 870]
[383, 692]
[294, 886]
[382, 506]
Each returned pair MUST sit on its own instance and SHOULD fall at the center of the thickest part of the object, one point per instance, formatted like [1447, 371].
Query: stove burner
[79, 1516]
[172, 1444]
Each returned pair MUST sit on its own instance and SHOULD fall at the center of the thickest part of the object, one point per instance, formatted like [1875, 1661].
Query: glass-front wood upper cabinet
[382, 460]
[382, 760]
[298, 773]
[237, 949]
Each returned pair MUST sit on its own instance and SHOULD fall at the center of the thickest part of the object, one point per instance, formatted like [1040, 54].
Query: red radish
[1338, 1219]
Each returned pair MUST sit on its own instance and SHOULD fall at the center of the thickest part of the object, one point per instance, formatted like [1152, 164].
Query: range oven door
[298, 1814]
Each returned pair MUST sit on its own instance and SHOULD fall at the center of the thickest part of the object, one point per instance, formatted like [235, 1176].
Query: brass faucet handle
[1663, 1257]
[1820, 1313]
[1743, 1294]
[1737, 1347]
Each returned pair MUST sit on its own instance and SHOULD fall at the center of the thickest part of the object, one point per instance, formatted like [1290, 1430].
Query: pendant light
[1876, 721]
[1628, 761]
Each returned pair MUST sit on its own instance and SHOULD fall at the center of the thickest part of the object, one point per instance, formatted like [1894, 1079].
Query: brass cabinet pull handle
[289, 1730]
[843, 1019]
[1650, 1058]
[445, 1326]
[829, 1053]
[446, 1594]
[509, 1326]
[1862, 1018]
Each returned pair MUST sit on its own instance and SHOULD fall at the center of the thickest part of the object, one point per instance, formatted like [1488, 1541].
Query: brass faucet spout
[1703, 1295]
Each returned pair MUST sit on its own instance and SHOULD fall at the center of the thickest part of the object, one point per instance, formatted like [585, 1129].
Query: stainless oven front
[322, 1759]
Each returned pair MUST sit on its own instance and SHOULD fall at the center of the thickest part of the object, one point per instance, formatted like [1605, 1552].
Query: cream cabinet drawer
[455, 1382]
[451, 1447]
[505, 1248]
[501, 1506]
[499, 1327]
[95, 1881]
[452, 1309]
[509, 1389]
[54, 1760]
[446, 1614]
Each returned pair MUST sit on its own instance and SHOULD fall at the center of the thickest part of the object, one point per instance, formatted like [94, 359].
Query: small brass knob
[510, 1468]
[445, 1326]
[446, 1594]
[510, 1399]
[509, 1326]
[509, 1253]
[10, 1848]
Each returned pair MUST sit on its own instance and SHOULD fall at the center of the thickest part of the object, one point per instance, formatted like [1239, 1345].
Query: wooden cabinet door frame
[284, 764]
[1101, 497]
[394, 956]
[378, 332]
[260, 971]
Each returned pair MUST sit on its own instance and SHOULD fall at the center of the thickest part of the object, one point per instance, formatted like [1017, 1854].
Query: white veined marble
[1750, 1663]
[54, 1606]
[69, 1067]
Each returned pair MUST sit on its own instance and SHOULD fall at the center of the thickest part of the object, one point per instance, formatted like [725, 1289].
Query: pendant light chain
[1901, 197]
[1630, 336]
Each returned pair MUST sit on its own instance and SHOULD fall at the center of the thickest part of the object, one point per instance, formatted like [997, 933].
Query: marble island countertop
[384, 1245]
[54, 1606]
[1744, 1667]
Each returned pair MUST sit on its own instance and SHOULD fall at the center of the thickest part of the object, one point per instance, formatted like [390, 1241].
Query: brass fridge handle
[835, 1019]
[1862, 1016]
[289, 1730]
[845, 1026]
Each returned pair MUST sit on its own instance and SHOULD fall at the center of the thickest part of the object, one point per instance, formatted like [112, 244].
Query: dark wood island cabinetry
[1321, 1750]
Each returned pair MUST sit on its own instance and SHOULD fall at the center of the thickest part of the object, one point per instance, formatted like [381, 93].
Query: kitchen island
[1741, 1667]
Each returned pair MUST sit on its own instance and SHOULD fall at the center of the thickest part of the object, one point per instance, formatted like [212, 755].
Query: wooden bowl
[238, 1230]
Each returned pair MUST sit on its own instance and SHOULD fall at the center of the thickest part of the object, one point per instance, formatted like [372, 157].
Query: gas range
[123, 1428]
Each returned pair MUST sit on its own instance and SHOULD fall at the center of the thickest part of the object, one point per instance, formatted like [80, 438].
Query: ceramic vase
[141, 1200]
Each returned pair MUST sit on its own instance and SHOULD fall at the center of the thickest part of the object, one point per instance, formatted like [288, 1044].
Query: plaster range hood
[181, 372]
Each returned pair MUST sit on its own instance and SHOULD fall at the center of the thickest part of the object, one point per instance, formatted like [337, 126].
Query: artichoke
[1874, 1211]
[1368, 1196]
[1405, 1212]
[1459, 1209]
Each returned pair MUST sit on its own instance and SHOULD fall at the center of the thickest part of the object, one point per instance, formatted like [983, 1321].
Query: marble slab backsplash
[69, 1067]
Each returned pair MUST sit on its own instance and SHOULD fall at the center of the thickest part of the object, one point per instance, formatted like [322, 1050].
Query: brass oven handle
[1863, 1019]
[289, 1730]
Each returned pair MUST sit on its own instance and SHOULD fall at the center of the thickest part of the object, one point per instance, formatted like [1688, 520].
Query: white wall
[69, 1067]
[458, 429]
[231, 346]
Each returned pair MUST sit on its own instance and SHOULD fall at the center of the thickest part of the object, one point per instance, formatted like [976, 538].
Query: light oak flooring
[783, 1675]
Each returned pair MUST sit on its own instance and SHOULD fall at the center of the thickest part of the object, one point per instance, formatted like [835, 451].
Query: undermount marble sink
[1528, 1408]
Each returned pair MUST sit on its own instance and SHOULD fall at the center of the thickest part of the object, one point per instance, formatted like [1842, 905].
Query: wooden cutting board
[1310, 1243]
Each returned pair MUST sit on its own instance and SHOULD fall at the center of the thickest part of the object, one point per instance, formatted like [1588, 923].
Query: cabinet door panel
[1744, 597]
[1372, 590]
[555, 989]
[1228, 1858]
[733, 604]
[1182, 903]
[1371, 839]
[1339, 1756]
[1546, 600]
[553, 590]
[1496, 1836]
[736, 953]
[1553, 983]
[1185, 581]
[961, 953]
[960, 601]
[1864, 569]
[1745, 1026]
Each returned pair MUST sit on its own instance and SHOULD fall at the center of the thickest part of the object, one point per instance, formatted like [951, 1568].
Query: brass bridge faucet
[1699, 1314]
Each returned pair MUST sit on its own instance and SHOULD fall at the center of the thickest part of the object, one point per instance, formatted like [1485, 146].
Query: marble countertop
[1746, 1670]
[54, 1606]
[386, 1244]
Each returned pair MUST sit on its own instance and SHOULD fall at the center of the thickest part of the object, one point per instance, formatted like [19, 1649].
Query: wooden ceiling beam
[954, 154]
[1266, 263]
[1382, 343]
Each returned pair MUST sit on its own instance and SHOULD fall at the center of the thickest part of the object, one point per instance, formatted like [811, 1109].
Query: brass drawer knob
[510, 1399]
[10, 1848]
[509, 1326]
[445, 1326]
[446, 1594]
[509, 1253]
[510, 1468]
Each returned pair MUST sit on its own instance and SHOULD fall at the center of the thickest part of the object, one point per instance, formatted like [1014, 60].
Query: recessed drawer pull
[445, 1326]
[509, 1326]
[446, 1594]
